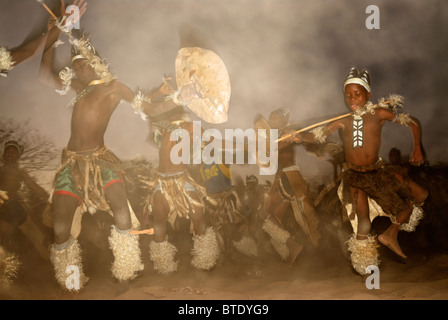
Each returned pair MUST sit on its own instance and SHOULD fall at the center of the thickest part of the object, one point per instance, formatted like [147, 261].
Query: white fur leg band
[9, 269]
[162, 255]
[281, 248]
[363, 253]
[414, 220]
[66, 257]
[277, 233]
[278, 236]
[126, 250]
[6, 62]
[247, 246]
[205, 250]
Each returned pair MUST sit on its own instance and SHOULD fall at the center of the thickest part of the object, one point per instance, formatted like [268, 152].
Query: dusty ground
[316, 275]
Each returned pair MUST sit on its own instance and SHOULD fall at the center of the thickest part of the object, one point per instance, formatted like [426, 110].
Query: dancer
[367, 184]
[20, 189]
[177, 194]
[289, 191]
[202, 85]
[225, 208]
[252, 204]
[17, 190]
[8, 60]
[90, 177]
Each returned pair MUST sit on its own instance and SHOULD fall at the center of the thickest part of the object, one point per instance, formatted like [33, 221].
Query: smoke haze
[278, 53]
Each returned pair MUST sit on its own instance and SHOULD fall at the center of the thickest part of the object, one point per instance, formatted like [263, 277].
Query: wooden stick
[52, 14]
[146, 231]
[318, 124]
[48, 9]
[315, 125]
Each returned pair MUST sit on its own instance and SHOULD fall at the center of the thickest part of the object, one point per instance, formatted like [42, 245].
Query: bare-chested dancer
[15, 182]
[90, 175]
[364, 172]
[177, 194]
[289, 191]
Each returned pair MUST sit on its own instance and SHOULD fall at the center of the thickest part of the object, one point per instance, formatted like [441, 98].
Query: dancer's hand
[3, 196]
[416, 158]
[188, 93]
[51, 23]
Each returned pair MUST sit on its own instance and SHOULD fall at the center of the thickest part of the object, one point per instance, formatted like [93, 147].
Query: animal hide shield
[208, 73]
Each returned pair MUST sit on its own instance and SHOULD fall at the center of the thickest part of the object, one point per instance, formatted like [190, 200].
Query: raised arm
[47, 74]
[29, 49]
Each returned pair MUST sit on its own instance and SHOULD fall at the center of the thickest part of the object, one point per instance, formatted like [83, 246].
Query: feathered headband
[6, 62]
[83, 49]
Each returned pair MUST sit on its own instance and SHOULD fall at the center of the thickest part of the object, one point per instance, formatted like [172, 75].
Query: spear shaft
[318, 124]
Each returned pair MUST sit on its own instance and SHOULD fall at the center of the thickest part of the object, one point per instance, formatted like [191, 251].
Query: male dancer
[8, 60]
[365, 174]
[225, 208]
[289, 191]
[90, 175]
[177, 194]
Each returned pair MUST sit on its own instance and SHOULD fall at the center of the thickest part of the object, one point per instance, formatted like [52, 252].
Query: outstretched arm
[29, 49]
[141, 104]
[162, 97]
[316, 135]
[26, 51]
[46, 72]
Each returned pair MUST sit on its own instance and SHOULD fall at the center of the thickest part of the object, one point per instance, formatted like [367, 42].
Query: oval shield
[205, 70]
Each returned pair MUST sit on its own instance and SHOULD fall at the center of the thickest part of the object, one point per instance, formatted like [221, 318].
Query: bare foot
[392, 244]
[294, 250]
